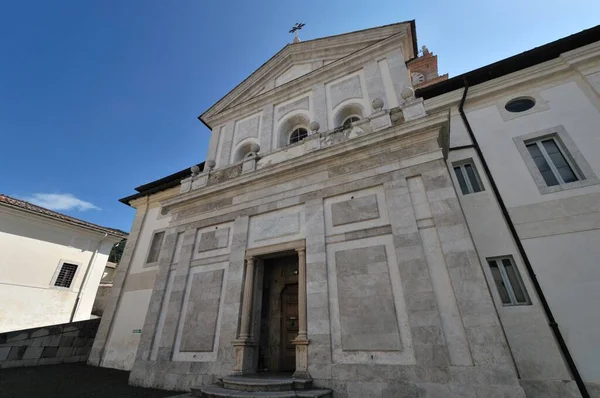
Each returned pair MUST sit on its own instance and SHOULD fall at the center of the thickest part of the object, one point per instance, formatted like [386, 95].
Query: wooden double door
[289, 327]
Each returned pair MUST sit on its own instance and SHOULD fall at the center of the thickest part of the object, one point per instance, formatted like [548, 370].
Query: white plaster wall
[31, 250]
[531, 341]
[90, 288]
[565, 259]
[122, 342]
[569, 107]
[567, 268]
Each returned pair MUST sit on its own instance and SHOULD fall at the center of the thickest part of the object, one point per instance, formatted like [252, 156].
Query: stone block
[49, 352]
[65, 351]
[51, 341]
[355, 210]
[66, 341]
[39, 332]
[431, 355]
[80, 351]
[4, 353]
[16, 353]
[446, 391]
[432, 335]
[199, 327]
[362, 389]
[33, 352]
[402, 390]
[212, 240]
[16, 336]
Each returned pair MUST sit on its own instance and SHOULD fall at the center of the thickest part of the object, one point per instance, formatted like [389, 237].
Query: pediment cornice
[347, 47]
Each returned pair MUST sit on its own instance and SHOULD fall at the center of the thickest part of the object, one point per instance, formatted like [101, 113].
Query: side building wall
[123, 319]
[33, 250]
[557, 227]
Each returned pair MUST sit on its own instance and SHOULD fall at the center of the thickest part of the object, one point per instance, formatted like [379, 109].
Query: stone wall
[69, 342]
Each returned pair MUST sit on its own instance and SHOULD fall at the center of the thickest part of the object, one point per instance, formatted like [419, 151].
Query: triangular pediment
[299, 59]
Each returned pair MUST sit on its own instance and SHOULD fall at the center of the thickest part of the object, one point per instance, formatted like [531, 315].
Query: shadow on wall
[68, 342]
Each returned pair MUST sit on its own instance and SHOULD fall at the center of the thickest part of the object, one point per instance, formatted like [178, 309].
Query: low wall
[68, 342]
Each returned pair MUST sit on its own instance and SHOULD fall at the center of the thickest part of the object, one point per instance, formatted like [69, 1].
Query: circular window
[298, 135]
[520, 104]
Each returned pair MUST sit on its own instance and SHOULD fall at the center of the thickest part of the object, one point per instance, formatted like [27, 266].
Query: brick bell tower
[424, 69]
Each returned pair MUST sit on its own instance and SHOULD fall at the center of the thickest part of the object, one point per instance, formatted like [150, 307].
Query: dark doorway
[279, 315]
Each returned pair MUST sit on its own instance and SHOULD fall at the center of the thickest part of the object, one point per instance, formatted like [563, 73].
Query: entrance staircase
[258, 386]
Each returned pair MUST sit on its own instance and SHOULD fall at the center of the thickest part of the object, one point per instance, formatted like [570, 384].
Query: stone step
[214, 391]
[241, 383]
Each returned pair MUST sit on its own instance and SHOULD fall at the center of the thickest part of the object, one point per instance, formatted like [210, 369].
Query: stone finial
[425, 50]
[314, 126]
[195, 170]
[407, 93]
[210, 163]
[254, 147]
[377, 104]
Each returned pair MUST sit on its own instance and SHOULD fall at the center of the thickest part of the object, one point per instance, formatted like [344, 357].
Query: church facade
[380, 230]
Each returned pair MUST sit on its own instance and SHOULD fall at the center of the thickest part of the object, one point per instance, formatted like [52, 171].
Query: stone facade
[395, 294]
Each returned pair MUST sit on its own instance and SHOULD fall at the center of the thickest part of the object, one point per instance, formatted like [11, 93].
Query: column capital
[250, 258]
[301, 250]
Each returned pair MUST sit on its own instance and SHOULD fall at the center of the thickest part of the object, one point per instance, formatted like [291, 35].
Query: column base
[244, 349]
[301, 344]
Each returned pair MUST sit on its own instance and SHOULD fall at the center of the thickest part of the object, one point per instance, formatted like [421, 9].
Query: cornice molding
[500, 86]
[555, 69]
[344, 65]
[406, 132]
[346, 42]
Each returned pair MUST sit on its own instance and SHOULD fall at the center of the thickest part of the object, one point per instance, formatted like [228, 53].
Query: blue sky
[98, 97]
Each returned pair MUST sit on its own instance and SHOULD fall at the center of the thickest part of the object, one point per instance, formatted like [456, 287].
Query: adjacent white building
[50, 265]
[378, 229]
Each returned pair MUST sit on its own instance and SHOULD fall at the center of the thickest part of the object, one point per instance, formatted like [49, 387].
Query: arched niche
[348, 112]
[289, 125]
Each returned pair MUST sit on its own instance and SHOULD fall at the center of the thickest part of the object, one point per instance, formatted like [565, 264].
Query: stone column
[301, 341]
[301, 294]
[245, 346]
[245, 332]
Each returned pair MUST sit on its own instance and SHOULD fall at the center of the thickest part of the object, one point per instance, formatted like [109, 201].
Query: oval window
[520, 104]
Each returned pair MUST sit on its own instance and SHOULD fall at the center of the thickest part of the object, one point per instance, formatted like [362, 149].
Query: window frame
[539, 143]
[506, 280]
[293, 130]
[461, 164]
[57, 272]
[349, 117]
[154, 263]
[570, 152]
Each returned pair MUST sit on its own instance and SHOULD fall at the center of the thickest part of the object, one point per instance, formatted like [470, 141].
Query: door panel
[289, 330]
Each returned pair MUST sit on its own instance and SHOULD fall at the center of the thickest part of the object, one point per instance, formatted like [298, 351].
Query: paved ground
[75, 380]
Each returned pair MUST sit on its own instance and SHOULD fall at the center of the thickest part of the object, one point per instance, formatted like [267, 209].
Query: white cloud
[60, 201]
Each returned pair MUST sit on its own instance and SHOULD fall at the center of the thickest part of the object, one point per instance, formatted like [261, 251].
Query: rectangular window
[155, 246]
[551, 161]
[467, 177]
[66, 275]
[508, 281]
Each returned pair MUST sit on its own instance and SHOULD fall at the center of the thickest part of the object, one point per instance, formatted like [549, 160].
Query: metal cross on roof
[295, 30]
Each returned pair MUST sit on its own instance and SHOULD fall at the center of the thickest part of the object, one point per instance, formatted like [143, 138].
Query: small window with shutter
[508, 281]
[155, 246]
